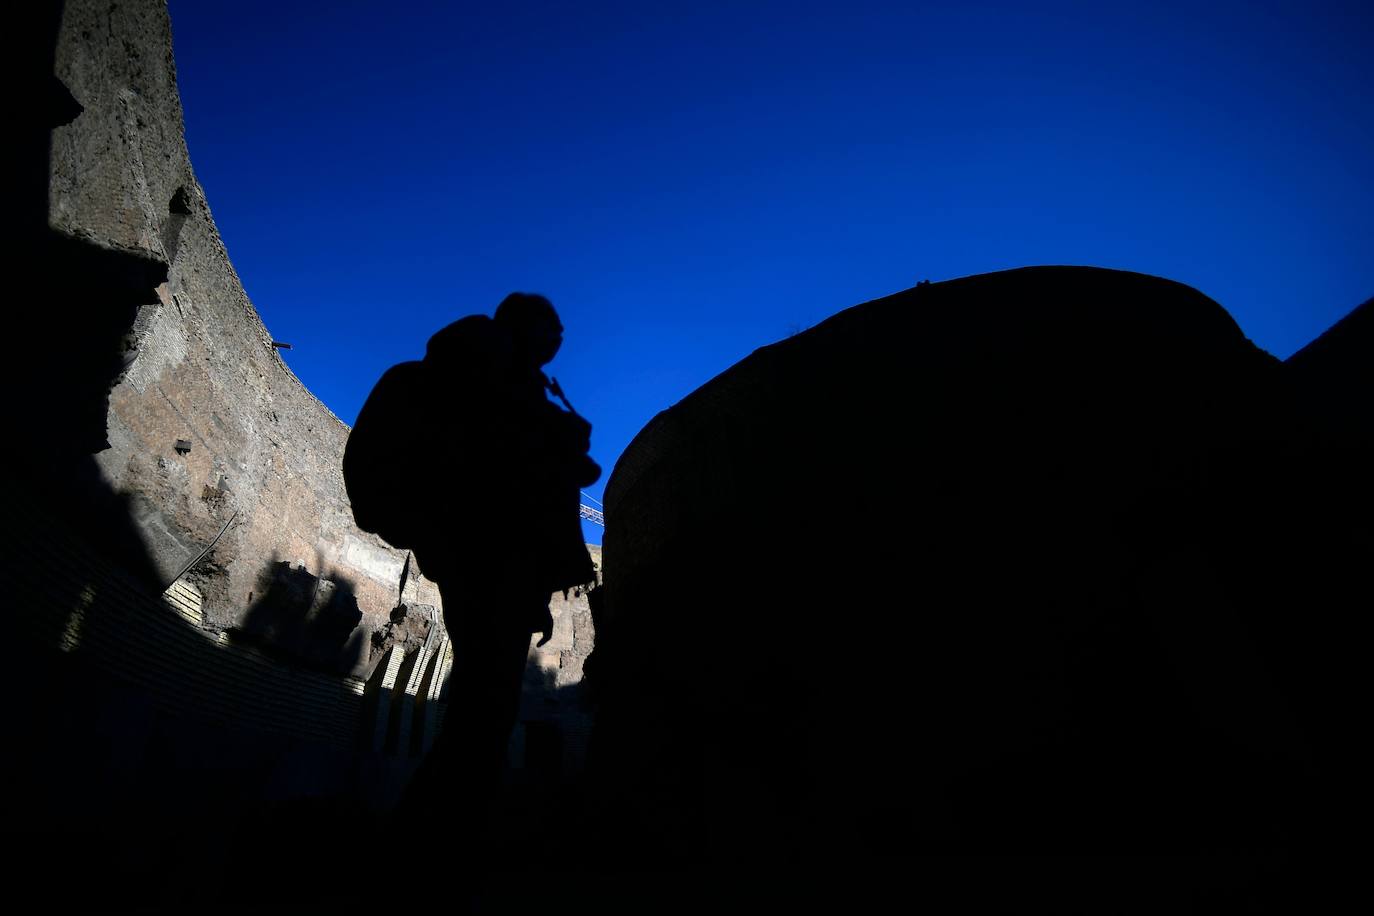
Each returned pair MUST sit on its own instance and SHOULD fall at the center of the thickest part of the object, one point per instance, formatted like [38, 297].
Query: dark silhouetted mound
[961, 570]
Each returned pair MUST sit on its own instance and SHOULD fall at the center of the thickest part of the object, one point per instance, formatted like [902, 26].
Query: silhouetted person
[478, 472]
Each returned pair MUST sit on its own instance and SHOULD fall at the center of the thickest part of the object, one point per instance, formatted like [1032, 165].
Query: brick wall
[208, 424]
[228, 469]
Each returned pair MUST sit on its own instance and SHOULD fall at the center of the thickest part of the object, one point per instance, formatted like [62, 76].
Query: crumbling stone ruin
[230, 465]
[210, 433]
[1049, 561]
[187, 576]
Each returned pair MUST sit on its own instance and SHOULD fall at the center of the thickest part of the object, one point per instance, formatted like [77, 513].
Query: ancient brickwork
[278, 616]
[211, 434]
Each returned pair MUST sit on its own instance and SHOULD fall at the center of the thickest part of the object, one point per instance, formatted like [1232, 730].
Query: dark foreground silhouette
[489, 508]
[1045, 562]
[1033, 588]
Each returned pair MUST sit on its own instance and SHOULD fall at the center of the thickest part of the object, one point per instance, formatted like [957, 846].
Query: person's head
[533, 326]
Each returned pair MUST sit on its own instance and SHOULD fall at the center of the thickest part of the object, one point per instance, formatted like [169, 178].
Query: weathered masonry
[178, 543]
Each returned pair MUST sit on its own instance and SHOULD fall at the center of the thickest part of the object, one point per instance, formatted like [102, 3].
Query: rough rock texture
[967, 557]
[204, 728]
[208, 427]
[410, 626]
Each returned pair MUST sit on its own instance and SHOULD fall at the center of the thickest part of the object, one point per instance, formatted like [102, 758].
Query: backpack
[381, 465]
[376, 466]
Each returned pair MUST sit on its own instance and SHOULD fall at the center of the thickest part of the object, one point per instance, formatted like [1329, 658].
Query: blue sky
[691, 181]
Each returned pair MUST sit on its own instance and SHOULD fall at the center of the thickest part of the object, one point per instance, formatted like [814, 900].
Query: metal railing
[595, 516]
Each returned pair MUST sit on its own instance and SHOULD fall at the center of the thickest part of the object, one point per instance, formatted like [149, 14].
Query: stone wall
[230, 467]
[211, 435]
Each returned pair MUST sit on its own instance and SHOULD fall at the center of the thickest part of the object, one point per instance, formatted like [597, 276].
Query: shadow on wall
[1054, 622]
[147, 739]
[304, 618]
[151, 749]
[56, 410]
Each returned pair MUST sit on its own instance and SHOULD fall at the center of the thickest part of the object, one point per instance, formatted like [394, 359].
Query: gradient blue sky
[689, 182]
